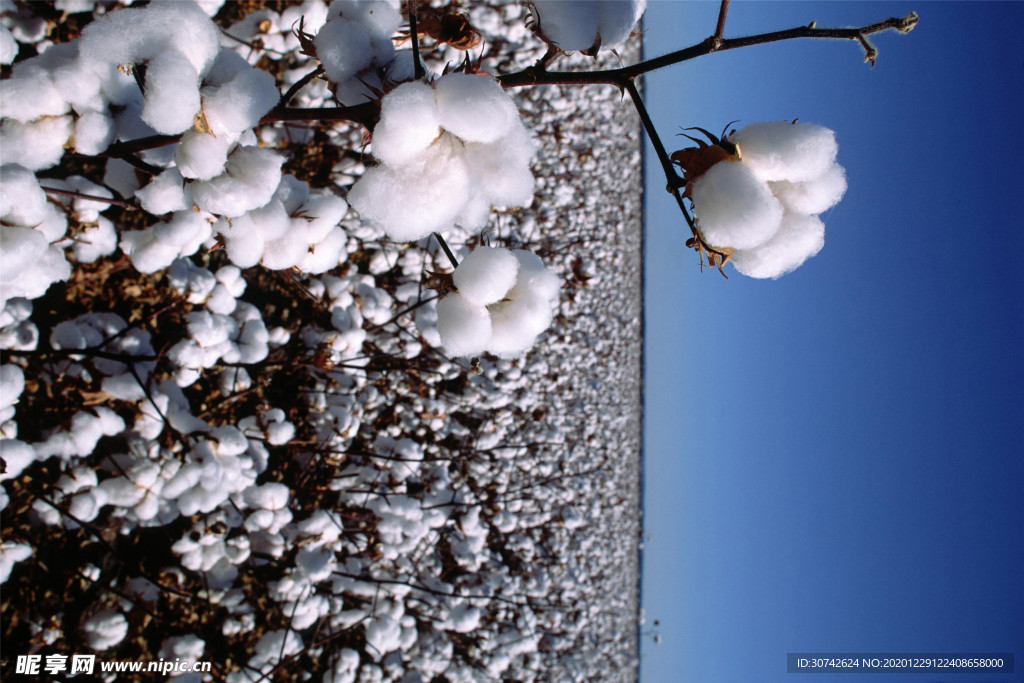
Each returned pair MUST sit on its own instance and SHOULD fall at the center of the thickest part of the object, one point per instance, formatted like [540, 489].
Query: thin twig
[299, 85]
[447, 251]
[723, 11]
[79, 195]
[417, 65]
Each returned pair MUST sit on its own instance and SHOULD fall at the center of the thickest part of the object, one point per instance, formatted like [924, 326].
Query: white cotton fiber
[799, 237]
[249, 180]
[30, 93]
[147, 253]
[12, 383]
[186, 230]
[18, 455]
[418, 199]
[343, 48]
[130, 36]
[502, 168]
[535, 277]
[165, 193]
[172, 93]
[579, 25]
[780, 150]
[321, 213]
[474, 108]
[95, 241]
[517, 322]
[201, 156]
[325, 254]
[408, 123]
[22, 200]
[465, 327]
[485, 276]
[815, 195]
[94, 131]
[8, 46]
[105, 629]
[734, 208]
[237, 96]
[36, 145]
[21, 248]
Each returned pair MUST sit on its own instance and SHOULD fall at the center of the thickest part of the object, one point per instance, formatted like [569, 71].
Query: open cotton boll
[237, 96]
[485, 276]
[734, 208]
[464, 326]
[18, 455]
[249, 180]
[501, 169]
[474, 108]
[583, 25]
[325, 254]
[10, 554]
[36, 145]
[780, 150]
[8, 46]
[343, 48]
[95, 242]
[517, 323]
[22, 247]
[22, 200]
[799, 238]
[535, 277]
[30, 93]
[201, 156]
[418, 199]
[172, 93]
[815, 195]
[105, 629]
[130, 36]
[94, 131]
[165, 193]
[408, 123]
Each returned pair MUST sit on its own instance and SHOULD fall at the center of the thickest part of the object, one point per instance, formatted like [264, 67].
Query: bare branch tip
[907, 23]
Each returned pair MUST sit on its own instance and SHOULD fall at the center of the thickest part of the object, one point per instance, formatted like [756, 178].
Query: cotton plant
[757, 194]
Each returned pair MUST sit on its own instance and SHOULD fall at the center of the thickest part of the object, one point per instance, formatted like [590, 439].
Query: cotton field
[252, 413]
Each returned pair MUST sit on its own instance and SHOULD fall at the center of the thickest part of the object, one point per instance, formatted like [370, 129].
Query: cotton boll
[569, 24]
[343, 48]
[18, 455]
[148, 254]
[94, 131]
[485, 276]
[815, 195]
[22, 248]
[105, 629]
[517, 323]
[12, 383]
[535, 277]
[250, 178]
[238, 96]
[325, 254]
[292, 193]
[165, 193]
[172, 93]
[474, 108]
[36, 145]
[502, 169]
[244, 250]
[201, 156]
[8, 46]
[22, 200]
[618, 20]
[95, 242]
[10, 555]
[408, 124]
[464, 327]
[799, 238]
[418, 199]
[780, 150]
[734, 208]
[322, 212]
[30, 94]
[130, 36]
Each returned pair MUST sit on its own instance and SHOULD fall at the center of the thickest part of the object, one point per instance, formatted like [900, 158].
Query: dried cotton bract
[756, 195]
[502, 303]
[448, 152]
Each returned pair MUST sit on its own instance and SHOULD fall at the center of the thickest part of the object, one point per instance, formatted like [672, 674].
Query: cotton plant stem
[535, 76]
[94, 198]
[447, 251]
[418, 71]
[299, 85]
[723, 11]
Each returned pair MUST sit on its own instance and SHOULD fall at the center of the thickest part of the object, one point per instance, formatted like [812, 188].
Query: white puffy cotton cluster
[503, 302]
[448, 151]
[29, 226]
[355, 42]
[765, 205]
[584, 25]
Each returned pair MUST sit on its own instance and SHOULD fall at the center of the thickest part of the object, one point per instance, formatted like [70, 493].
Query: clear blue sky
[835, 459]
